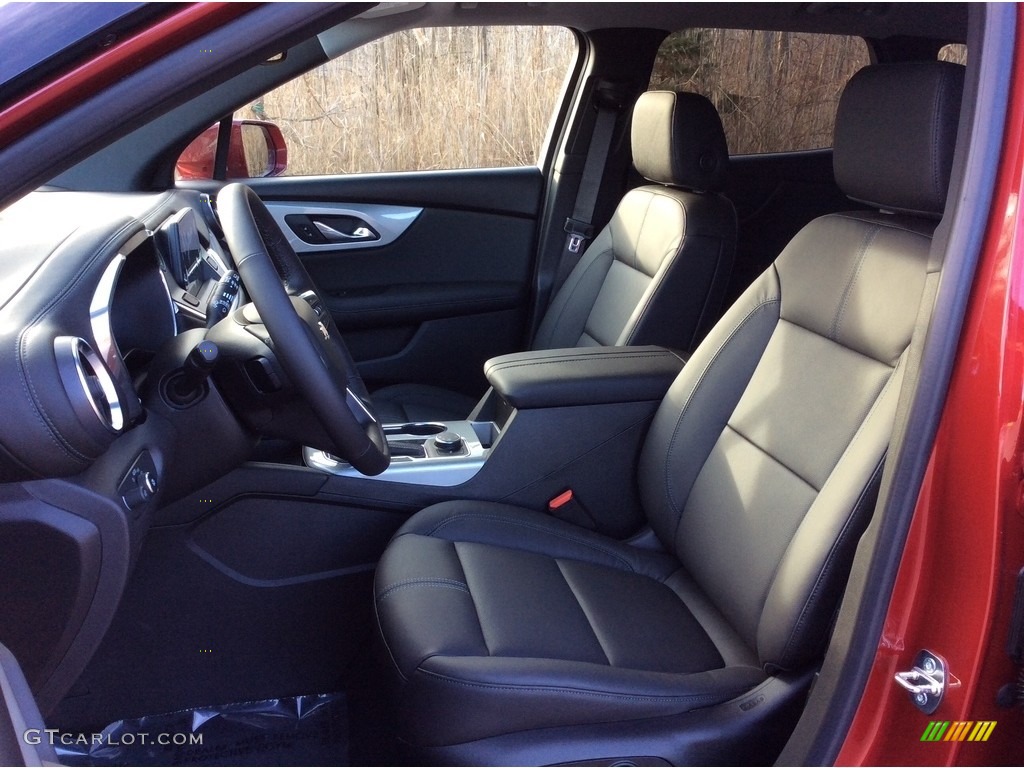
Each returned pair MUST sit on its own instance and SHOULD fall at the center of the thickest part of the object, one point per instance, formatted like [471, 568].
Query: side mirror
[256, 149]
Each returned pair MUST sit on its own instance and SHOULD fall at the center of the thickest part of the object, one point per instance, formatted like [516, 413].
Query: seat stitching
[937, 113]
[548, 357]
[700, 380]
[578, 359]
[880, 224]
[712, 297]
[387, 645]
[655, 283]
[869, 238]
[407, 583]
[775, 458]
[640, 232]
[522, 524]
[867, 416]
[583, 610]
[695, 697]
[682, 234]
[837, 342]
[476, 611]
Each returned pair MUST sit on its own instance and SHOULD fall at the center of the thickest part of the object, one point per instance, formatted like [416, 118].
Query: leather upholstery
[677, 139]
[579, 628]
[894, 145]
[762, 448]
[758, 475]
[569, 377]
[656, 274]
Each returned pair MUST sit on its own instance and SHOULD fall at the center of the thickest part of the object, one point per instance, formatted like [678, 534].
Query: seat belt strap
[579, 228]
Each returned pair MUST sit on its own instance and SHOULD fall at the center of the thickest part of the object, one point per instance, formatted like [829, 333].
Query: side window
[417, 100]
[775, 91]
[954, 52]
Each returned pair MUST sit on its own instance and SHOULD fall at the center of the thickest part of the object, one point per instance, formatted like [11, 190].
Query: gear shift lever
[186, 386]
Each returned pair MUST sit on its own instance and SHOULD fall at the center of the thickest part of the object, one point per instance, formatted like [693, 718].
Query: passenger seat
[656, 274]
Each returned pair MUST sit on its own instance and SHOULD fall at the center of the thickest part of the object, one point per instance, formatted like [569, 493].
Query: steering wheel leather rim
[318, 363]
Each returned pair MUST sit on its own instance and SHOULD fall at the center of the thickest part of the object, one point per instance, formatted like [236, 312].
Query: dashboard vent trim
[88, 383]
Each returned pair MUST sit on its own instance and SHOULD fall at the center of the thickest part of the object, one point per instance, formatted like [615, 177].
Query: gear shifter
[186, 386]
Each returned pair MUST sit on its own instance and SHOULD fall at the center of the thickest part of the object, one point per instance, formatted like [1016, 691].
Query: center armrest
[552, 378]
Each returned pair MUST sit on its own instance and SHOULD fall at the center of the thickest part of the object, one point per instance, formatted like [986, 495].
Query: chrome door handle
[334, 236]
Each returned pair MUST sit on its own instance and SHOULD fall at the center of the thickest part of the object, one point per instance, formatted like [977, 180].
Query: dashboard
[102, 297]
[91, 288]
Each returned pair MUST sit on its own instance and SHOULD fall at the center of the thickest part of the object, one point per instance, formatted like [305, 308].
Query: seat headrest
[895, 135]
[678, 139]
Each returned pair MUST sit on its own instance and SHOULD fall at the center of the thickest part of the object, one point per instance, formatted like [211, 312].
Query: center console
[552, 421]
[424, 453]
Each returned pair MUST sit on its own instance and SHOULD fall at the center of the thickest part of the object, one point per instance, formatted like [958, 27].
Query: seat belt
[579, 227]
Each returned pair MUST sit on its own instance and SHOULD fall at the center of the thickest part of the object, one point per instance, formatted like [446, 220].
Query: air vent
[88, 384]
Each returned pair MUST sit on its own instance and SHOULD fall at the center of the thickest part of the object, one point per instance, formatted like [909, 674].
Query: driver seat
[516, 638]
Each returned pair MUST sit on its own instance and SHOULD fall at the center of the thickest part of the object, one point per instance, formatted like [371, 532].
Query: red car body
[197, 161]
[958, 577]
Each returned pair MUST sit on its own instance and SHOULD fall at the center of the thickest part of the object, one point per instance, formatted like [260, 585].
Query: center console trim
[434, 468]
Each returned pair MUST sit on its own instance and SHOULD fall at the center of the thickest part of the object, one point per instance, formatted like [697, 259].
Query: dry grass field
[776, 91]
[424, 100]
[483, 97]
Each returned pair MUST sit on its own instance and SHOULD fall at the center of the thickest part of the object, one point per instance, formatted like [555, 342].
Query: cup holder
[424, 429]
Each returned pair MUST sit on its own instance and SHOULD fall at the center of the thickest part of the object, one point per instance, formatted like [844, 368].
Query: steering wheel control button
[141, 483]
[222, 299]
[449, 442]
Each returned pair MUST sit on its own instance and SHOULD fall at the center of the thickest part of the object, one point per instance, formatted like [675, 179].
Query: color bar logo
[967, 730]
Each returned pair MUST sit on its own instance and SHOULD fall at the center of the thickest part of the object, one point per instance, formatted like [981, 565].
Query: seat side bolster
[685, 295]
[566, 316]
[517, 528]
[812, 573]
[478, 695]
[699, 402]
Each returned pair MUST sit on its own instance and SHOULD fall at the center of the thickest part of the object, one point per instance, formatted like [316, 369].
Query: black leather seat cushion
[482, 604]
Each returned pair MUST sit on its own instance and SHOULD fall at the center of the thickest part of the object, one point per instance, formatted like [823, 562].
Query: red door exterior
[954, 591]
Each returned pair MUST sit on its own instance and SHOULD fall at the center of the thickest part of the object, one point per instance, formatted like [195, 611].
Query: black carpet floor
[299, 730]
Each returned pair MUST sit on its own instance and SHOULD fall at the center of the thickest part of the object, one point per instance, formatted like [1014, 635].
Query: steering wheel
[306, 340]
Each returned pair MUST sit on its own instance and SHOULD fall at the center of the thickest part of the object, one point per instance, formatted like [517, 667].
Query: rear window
[775, 91]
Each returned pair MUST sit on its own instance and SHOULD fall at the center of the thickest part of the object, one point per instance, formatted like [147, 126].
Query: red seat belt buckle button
[560, 500]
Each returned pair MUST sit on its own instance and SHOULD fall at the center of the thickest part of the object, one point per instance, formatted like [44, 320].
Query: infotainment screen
[181, 239]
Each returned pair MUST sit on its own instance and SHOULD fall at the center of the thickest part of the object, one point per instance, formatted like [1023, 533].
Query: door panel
[435, 277]
[336, 227]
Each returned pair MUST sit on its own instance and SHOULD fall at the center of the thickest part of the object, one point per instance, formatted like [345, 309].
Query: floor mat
[299, 730]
